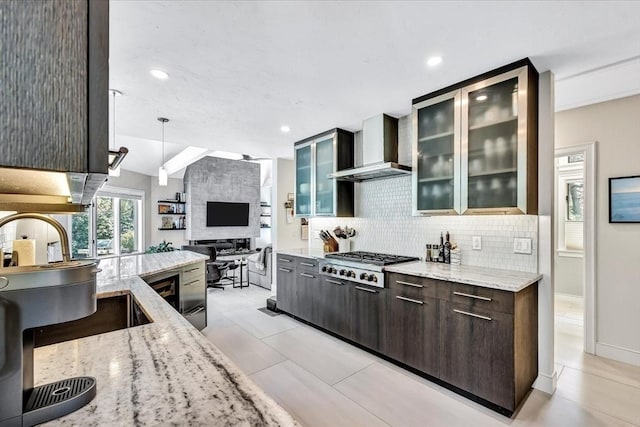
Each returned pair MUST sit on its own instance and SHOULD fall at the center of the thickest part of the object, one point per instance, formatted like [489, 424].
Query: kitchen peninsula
[164, 372]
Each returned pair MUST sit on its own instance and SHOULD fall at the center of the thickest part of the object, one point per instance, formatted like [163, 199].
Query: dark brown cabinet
[335, 306]
[481, 341]
[413, 335]
[368, 317]
[477, 352]
[286, 285]
[55, 82]
[307, 295]
[488, 341]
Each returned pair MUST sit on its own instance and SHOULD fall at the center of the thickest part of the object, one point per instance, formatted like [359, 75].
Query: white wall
[285, 235]
[616, 127]
[177, 237]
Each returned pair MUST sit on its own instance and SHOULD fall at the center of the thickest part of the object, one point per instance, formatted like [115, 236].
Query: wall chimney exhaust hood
[379, 152]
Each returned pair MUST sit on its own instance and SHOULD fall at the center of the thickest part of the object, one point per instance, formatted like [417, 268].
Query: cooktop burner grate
[370, 257]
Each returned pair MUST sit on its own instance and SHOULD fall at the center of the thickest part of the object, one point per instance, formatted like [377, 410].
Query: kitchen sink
[113, 313]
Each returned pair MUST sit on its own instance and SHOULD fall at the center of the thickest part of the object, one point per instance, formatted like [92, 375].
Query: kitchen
[380, 213]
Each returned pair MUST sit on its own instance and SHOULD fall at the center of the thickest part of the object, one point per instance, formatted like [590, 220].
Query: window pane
[80, 235]
[104, 226]
[128, 226]
[575, 201]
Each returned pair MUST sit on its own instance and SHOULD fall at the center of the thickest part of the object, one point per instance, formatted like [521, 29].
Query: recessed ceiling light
[434, 60]
[285, 128]
[481, 98]
[159, 74]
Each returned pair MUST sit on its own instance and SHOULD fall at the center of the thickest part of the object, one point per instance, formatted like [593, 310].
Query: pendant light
[162, 172]
[114, 171]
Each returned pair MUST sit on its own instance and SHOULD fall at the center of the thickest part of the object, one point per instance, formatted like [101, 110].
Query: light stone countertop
[302, 252]
[162, 373]
[506, 280]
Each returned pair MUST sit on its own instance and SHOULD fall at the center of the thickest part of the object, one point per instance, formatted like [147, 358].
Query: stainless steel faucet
[64, 238]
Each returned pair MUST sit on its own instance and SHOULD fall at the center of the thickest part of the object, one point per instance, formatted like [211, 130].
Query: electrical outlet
[522, 246]
[476, 243]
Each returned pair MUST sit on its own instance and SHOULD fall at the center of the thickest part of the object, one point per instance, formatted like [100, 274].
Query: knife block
[331, 246]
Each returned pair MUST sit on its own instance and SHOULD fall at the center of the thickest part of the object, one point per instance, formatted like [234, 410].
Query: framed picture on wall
[624, 199]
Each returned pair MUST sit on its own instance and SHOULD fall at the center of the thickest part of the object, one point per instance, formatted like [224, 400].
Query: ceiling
[238, 71]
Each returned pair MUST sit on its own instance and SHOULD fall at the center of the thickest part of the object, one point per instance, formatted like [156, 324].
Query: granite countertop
[506, 280]
[302, 252]
[162, 373]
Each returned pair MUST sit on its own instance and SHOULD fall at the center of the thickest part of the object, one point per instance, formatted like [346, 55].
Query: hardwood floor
[322, 381]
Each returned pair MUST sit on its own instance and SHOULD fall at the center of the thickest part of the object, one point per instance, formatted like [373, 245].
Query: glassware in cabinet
[436, 155]
[303, 161]
[494, 144]
[324, 188]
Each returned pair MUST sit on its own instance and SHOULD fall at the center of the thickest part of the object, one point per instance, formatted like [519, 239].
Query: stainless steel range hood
[379, 152]
[29, 190]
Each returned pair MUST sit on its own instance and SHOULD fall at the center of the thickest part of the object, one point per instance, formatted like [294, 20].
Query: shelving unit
[176, 209]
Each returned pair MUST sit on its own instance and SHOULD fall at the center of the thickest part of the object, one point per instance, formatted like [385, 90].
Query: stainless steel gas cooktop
[359, 266]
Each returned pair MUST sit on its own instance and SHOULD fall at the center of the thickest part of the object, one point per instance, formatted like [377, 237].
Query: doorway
[574, 255]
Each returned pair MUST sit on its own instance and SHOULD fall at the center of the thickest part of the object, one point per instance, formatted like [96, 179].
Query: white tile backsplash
[384, 223]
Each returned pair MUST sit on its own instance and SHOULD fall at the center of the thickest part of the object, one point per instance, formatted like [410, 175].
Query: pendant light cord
[163, 143]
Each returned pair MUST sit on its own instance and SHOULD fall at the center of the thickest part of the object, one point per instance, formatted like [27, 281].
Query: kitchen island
[162, 373]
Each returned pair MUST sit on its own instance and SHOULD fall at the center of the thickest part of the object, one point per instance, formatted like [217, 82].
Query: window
[112, 226]
[570, 207]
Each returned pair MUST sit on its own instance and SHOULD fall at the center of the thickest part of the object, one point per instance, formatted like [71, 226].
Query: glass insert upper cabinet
[436, 155]
[499, 143]
[475, 145]
[316, 194]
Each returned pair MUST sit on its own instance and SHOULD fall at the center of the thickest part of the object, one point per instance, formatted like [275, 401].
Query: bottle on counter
[434, 252]
[427, 256]
[441, 249]
[447, 250]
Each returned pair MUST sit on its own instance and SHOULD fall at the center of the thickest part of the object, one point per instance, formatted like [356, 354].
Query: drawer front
[192, 293]
[309, 264]
[412, 286]
[287, 261]
[477, 297]
[193, 271]
[197, 316]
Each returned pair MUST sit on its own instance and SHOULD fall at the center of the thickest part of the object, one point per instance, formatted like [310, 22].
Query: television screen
[224, 214]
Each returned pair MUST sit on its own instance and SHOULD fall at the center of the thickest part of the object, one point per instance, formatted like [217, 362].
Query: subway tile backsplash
[384, 223]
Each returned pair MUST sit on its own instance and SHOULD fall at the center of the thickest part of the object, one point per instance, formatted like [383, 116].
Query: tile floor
[323, 381]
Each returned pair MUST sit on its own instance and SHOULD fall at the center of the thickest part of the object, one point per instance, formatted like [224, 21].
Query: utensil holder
[344, 245]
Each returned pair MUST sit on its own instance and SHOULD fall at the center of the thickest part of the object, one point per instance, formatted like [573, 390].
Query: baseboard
[620, 354]
[546, 383]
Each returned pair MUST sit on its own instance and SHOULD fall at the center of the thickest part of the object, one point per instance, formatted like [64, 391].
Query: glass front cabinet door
[475, 145]
[499, 144]
[316, 193]
[303, 180]
[436, 155]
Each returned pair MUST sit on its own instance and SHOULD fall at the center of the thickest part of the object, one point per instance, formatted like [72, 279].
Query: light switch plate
[522, 246]
[476, 243]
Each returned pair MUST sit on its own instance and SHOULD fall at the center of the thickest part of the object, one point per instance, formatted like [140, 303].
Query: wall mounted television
[227, 214]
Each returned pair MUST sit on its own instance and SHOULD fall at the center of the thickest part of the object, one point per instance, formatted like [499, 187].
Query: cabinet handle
[366, 290]
[194, 311]
[415, 301]
[284, 260]
[286, 270]
[462, 294]
[308, 275]
[191, 283]
[415, 285]
[307, 264]
[335, 282]
[466, 313]
[192, 269]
